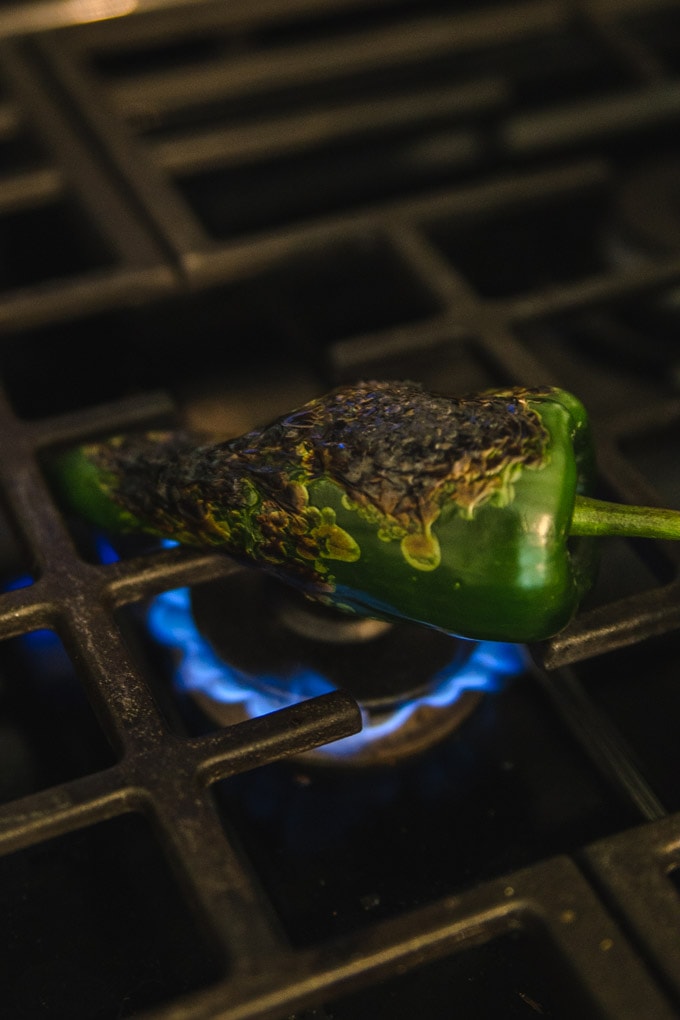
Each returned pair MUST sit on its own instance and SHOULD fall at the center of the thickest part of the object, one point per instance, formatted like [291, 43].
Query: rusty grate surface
[325, 192]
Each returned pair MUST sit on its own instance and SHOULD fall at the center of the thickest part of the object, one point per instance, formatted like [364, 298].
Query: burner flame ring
[246, 645]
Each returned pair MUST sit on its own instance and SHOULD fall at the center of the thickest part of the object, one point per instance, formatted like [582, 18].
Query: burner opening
[247, 645]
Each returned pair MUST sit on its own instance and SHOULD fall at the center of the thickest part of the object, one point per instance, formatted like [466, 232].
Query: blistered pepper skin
[379, 498]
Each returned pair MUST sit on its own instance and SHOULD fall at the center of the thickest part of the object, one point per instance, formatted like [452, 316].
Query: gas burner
[248, 645]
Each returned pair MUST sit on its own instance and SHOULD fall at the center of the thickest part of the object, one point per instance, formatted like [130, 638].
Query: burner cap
[266, 629]
[247, 645]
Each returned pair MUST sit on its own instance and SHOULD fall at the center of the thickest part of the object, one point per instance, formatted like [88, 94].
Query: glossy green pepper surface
[378, 498]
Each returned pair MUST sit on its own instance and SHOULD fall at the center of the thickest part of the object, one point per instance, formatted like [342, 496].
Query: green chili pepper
[468, 515]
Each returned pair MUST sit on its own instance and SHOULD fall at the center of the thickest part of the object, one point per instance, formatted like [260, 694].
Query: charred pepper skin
[378, 498]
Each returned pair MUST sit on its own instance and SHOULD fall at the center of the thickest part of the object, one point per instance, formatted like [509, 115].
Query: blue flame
[42, 640]
[14, 583]
[199, 669]
[105, 550]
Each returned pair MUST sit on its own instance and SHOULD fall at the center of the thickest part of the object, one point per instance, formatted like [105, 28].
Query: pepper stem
[597, 517]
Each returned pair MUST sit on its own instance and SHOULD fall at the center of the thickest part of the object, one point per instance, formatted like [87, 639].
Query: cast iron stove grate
[465, 195]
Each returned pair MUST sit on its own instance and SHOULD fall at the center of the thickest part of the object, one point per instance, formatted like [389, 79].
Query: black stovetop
[209, 214]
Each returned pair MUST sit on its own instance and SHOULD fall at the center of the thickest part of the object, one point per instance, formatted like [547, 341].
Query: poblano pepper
[468, 514]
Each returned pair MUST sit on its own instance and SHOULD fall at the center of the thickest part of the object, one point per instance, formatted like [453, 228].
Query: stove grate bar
[608, 975]
[407, 42]
[56, 182]
[637, 873]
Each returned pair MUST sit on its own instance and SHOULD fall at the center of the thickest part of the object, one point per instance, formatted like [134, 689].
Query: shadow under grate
[95, 926]
[49, 731]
